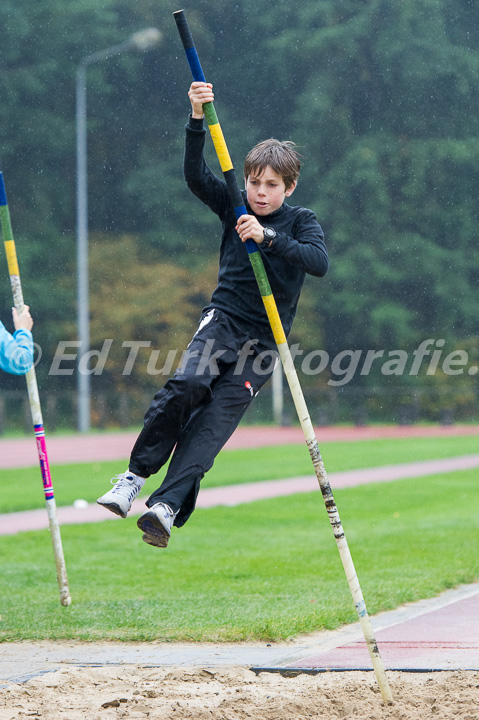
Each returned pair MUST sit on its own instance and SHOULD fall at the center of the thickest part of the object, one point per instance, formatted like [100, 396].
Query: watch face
[269, 233]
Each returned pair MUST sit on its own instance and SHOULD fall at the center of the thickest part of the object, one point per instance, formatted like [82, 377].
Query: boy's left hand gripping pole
[34, 400]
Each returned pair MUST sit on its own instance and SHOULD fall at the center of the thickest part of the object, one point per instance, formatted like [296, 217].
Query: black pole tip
[177, 12]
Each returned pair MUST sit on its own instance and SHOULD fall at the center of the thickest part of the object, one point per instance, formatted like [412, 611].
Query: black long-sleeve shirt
[298, 248]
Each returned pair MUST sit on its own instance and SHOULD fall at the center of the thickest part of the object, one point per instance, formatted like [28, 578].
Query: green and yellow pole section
[34, 400]
[286, 359]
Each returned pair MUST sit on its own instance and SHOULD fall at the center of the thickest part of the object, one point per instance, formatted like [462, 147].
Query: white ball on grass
[80, 504]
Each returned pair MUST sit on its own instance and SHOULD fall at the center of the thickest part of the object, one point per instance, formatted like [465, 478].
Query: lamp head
[146, 39]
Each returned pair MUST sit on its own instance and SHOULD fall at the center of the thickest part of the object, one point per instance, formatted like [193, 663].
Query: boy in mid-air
[16, 351]
[229, 357]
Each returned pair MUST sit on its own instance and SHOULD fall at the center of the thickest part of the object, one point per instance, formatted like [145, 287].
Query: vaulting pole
[287, 360]
[34, 399]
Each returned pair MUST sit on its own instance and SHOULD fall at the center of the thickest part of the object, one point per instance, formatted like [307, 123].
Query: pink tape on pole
[43, 458]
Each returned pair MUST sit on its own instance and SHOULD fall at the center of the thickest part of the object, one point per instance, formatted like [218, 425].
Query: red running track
[64, 449]
[443, 639]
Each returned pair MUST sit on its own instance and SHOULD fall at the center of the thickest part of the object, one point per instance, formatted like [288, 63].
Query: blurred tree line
[382, 99]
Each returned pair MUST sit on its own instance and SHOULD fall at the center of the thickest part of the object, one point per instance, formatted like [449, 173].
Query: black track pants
[198, 409]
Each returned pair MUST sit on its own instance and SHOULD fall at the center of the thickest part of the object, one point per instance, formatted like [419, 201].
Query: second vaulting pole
[287, 361]
[34, 400]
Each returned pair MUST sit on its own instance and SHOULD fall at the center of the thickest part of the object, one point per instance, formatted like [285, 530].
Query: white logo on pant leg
[204, 321]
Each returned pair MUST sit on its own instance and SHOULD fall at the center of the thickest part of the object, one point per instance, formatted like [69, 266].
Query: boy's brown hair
[280, 156]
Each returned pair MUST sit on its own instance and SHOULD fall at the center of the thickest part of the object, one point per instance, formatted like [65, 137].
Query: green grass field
[267, 571]
[89, 480]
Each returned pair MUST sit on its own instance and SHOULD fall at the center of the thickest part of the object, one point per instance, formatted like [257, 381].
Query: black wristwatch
[269, 236]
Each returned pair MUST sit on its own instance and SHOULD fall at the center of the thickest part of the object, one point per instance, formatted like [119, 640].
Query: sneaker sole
[113, 507]
[154, 532]
[155, 541]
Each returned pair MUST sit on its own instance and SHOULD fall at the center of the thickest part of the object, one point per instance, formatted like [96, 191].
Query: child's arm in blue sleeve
[16, 351]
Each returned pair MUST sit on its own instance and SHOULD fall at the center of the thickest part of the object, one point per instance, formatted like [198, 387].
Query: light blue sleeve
[16, 351]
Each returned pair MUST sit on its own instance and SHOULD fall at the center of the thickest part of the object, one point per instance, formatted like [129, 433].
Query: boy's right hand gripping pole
[287, 361]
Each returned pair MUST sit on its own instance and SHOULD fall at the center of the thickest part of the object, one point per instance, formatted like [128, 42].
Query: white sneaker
[127, 485]
[156, 524]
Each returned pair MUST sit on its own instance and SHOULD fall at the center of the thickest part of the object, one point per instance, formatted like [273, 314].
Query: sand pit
[236, 693]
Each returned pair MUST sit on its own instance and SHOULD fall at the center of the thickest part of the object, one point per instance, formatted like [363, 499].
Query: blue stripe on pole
[195, 66]
[251, 246]
[240, 210]
[3, 194]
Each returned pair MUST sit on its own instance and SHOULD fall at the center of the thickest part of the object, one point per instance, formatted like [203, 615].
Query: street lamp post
[142, 40]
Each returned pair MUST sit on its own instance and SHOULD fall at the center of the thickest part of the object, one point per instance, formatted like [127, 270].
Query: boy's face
[266, 192]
